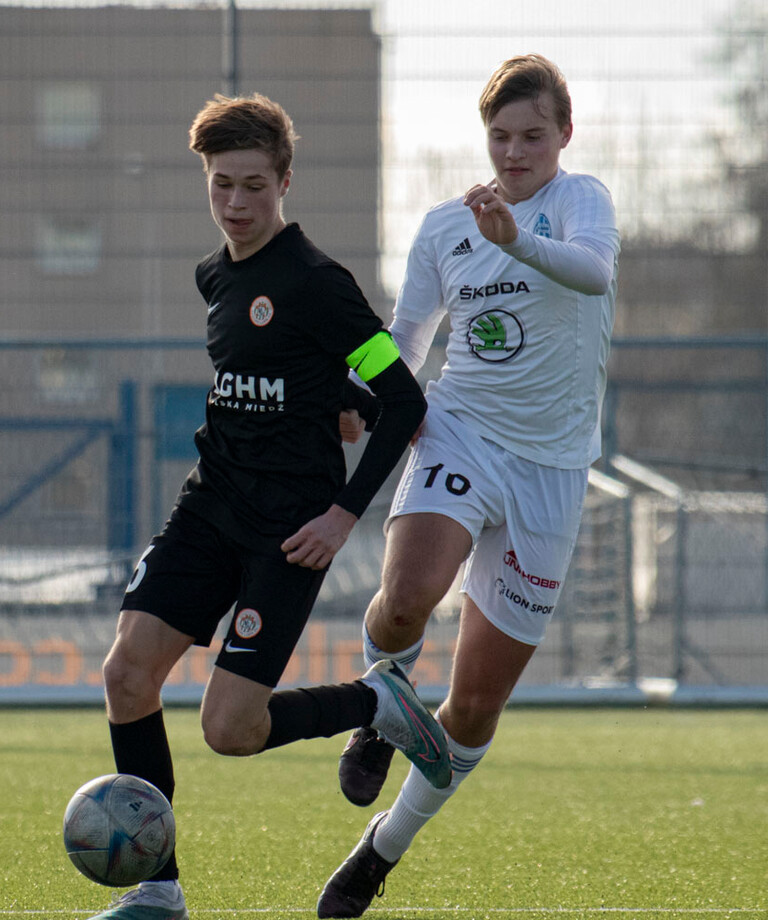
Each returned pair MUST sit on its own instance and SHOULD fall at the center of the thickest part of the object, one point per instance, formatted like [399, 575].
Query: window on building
[69, 115]
[68, 245]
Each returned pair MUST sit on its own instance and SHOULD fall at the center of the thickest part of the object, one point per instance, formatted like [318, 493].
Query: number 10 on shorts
[455, 483]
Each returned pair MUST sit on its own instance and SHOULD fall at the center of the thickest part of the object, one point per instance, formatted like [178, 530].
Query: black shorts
[192, 574]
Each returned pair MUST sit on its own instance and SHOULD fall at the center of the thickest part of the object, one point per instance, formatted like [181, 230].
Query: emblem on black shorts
[247, 623]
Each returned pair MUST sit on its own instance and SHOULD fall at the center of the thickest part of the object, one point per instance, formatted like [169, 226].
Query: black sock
[141, 749]
[319, 712]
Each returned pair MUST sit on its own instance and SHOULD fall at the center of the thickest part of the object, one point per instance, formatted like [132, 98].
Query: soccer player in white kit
[526, 268]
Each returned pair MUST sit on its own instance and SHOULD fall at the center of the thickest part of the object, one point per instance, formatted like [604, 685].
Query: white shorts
[523, 518]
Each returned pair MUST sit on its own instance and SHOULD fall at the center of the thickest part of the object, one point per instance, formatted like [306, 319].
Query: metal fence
[105, 218]
[666, 594]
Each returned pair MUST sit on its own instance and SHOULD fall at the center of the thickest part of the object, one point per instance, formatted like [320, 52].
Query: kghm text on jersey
[468, 292]
[247, 392]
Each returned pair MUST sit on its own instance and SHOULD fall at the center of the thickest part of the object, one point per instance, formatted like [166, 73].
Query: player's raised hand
[315, 544]
[492, 216]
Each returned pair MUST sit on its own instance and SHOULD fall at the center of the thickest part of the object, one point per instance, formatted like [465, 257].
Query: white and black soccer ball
[119, 830]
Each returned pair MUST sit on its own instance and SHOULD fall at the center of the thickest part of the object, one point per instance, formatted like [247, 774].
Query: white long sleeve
[413, 339]
[581, 264]
[582, 255]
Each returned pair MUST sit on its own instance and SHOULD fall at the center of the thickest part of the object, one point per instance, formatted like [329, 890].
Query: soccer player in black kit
[260, 517]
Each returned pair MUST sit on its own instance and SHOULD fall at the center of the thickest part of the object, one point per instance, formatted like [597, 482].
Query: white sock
[405, 659]
[165, 892]
[418, 801]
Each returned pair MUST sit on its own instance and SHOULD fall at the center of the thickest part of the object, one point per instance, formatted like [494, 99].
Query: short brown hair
[526, 77]
[244, 123]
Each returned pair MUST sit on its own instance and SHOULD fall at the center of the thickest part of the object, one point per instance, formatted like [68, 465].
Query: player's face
[524, 143]
[245, 195]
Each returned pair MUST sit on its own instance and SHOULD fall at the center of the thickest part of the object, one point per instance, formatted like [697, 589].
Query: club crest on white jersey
[495, 335]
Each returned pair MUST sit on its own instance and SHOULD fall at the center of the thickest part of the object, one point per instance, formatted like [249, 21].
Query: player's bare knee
[124, 681]
[222, 741]
[407, 605]
[234, 739]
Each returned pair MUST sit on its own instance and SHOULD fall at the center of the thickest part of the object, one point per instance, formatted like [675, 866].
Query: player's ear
[286, 183]
[566, 136]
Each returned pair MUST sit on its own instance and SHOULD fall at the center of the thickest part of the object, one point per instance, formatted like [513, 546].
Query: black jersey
[281, 325]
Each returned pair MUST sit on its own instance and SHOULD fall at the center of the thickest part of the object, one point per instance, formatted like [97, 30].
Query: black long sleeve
[402, 408]
[366, 404]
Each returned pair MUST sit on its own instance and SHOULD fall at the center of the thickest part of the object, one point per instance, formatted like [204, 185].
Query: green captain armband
[374, 356]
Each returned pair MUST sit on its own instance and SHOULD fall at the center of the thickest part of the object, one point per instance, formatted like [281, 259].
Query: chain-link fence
[103, 368]
[668, 581]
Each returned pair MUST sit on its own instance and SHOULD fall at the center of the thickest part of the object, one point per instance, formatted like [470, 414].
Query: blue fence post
[121, 501]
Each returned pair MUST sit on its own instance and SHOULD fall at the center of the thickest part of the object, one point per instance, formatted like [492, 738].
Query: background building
[105, 216]
[105, 212]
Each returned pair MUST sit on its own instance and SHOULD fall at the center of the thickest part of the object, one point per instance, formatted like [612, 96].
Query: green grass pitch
[615, 812]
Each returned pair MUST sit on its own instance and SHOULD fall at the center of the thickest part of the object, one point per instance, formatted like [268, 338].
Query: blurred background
[103, 369]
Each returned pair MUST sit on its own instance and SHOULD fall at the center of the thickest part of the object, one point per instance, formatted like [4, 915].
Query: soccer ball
[119, 830]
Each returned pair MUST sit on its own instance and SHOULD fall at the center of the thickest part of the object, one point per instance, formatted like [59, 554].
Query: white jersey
[526, 353]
